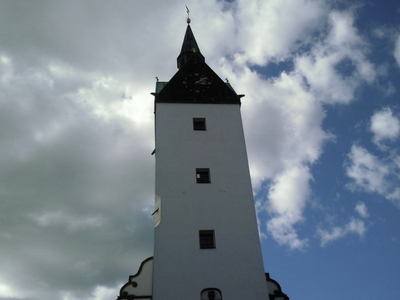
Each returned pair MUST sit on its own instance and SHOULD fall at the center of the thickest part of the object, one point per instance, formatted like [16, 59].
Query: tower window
[211, 294]
[199, 124]
[207, 240]
[203, 175]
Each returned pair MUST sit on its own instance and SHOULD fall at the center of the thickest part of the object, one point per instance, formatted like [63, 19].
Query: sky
[321, 120]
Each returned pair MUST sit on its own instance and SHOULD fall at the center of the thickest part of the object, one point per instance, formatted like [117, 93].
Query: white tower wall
[181, 269]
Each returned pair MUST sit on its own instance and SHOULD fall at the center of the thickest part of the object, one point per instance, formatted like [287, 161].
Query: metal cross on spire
[188, 12]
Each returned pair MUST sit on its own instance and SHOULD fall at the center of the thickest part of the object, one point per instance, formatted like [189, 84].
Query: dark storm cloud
[73, 188]
[76, 188]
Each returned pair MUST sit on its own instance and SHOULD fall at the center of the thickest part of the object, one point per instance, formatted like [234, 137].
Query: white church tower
[206, 243]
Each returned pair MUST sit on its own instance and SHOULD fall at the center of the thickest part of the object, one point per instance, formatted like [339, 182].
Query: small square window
[199, 124]
[207, 240]
[203, 175]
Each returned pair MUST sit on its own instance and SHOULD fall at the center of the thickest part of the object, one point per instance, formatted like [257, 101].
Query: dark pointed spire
[189, 47]
[195, 81]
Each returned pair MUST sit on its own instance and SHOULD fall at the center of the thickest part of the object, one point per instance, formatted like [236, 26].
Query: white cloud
[384, 126]
[287, 198]
[295, 118]
[355, 226]
[328, 236]
[337, 65]
[362, 210]
[273, 29]
[343, 33]
[397, 50]
[374, 175]
[72, 223]
[282, 229]
[105, 293]
[283, 135]
[291, 103]
[288, 192]
[367, 171]
[394, 196]
[7, 292]
[98, 293]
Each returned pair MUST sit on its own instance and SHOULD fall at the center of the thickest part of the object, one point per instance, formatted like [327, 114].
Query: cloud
[337, 65]
[283, 135]
[374, 175]
[384, 126]
[286, 112]
[72, 223]
[272, 30]
[367, 171]
[287, 198]
[354, 226]
[76, 181]
[100, 36]
[362, 210]
[377, 173]
[76, 125]
[98, 293]
[397, 50]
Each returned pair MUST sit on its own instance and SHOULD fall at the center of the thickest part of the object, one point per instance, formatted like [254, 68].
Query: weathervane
[188, 12]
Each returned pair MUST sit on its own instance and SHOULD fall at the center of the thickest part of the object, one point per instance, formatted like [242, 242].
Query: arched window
[211, 294]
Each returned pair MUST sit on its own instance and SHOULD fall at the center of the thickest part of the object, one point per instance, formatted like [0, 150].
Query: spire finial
[188, 12]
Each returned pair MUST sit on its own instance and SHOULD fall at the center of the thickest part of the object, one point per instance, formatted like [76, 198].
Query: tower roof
[195, 81]
[189, 46]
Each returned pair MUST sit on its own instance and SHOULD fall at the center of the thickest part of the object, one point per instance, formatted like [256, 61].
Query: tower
[206, 243]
